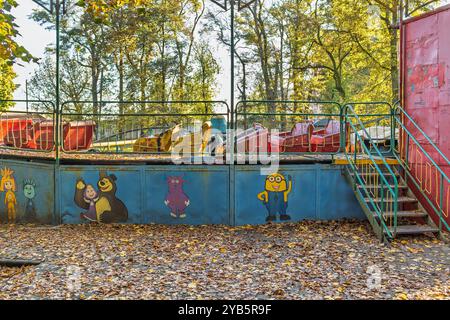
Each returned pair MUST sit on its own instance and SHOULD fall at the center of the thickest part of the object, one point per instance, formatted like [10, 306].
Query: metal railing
[145, 127]
[140, 127]
[377, 120]
[422, 172]
[289, 127]
[26, 130]
[373, 179]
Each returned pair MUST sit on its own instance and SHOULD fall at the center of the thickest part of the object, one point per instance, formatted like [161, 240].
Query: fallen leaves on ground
[307, 260]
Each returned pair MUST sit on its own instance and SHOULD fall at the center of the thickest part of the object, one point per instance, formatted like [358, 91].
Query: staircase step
[399, 200]
[369, 186]
[404, 214]
[388, 174]
[415, 229]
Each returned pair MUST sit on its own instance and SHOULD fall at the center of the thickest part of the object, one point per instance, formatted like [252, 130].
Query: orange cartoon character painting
[8, 185]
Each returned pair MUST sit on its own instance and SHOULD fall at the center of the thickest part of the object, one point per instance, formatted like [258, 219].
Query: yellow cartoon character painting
[8, 184]
[275, 196]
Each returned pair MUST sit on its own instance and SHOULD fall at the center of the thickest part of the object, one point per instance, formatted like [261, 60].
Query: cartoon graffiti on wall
[101, 205]
[8, 185]
[29, 191]
[275, 196]
[90, 195]
[176, 199]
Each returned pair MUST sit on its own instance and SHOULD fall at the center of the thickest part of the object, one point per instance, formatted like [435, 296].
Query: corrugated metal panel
[427, 87]
[427, 98]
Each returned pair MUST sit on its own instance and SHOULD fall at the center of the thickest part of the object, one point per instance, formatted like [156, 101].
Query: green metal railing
[26, 129]
[117, 124]
[373, 179]
[421, 170]
[377, 120]
[280, 117]
[127, 127]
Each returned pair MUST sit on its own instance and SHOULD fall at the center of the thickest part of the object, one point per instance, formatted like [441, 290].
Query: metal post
[441, 203]
[57, 218]
[232, 63]
[57, 102]
[26, 94]
[232, 171]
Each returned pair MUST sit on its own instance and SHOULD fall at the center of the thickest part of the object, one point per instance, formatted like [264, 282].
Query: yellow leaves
[414, 250]
[10, 51]
[439, 296]
[401, 296]
[213, 263]
[288, 262]
[7, 86]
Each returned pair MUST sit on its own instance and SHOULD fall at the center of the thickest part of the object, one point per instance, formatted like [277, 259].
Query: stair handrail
[393, 191]
[398, 110]
[398, 107]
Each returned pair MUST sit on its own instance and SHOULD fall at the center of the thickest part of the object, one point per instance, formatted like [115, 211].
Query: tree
[74, 86]
[7, 85]
[204, 77]
[10, 51]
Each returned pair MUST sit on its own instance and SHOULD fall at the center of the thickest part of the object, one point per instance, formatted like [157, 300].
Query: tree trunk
[94, 88]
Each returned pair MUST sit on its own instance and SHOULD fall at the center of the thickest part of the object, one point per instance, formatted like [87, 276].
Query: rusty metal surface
[427, 76]
[426, 89]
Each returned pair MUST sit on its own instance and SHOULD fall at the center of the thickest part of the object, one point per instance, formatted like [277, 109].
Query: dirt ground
[307, 260]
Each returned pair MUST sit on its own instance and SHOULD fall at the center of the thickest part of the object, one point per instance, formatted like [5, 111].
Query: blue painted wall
[143, 190]
[318, 192]
[42, 175]
[207, 188]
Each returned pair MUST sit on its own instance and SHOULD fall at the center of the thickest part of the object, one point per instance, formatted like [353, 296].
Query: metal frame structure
[246, 111]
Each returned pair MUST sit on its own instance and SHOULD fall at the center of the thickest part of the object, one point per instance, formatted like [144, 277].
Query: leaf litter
[305, 260]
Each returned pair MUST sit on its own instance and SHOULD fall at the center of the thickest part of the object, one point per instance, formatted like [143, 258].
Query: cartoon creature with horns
[176, 199]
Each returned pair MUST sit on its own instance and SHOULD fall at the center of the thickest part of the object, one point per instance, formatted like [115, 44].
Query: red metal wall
[425, 62]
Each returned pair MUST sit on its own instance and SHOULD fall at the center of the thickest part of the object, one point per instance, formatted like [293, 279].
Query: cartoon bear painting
[108, 207]
[275, 196]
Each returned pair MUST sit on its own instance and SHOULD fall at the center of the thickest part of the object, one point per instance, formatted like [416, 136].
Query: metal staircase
[383, 190]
